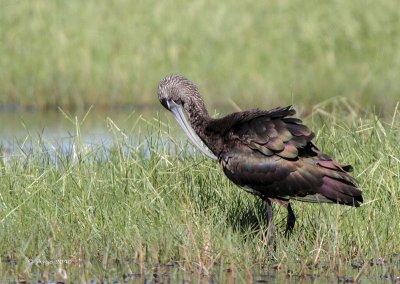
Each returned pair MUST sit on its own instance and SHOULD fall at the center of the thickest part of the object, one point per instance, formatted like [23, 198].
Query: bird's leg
[270, 216]
[291, 220]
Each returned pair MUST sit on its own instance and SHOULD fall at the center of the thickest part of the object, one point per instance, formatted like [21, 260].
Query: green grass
[71, 54]
[148, 201]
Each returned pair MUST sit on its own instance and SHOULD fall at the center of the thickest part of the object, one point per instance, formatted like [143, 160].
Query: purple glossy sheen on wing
[275, 144]
[341, 192]
[264, 150]
[272, 133]
[284, 134]
[332, 169]
[298, 129]
[284, 162]
[331, 165]
[289, 152]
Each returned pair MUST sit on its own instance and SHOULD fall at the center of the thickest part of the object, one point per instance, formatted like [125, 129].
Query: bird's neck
[199, 119]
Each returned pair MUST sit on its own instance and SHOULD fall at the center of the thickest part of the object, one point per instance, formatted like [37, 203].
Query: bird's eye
[179, 102]
[164, 103]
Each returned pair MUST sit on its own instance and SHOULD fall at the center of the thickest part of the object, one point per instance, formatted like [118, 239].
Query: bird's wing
[273, 155]
[274, 133]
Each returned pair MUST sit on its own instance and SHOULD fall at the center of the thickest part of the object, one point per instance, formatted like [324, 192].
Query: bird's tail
[338, 185]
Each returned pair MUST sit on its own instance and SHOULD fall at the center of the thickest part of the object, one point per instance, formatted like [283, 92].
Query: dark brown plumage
[268, 153]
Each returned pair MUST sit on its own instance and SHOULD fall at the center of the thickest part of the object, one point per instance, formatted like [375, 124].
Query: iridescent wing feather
[272, 154]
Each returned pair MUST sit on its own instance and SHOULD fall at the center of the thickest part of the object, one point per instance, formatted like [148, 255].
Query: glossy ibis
[268, 153]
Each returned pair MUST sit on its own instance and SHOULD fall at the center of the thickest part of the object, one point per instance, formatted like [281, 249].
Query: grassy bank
[70, 54]
[148, 201]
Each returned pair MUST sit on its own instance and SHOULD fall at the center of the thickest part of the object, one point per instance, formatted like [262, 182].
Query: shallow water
[129, 271]
[54, 133]
[25, 131]
[57, 127]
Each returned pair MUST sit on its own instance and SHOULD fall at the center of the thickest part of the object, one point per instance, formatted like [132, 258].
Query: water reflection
[59, 130]
[57, 126]
[76, 135]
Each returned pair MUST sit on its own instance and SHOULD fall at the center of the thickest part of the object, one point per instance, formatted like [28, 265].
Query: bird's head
[179, 95]
[177, 90]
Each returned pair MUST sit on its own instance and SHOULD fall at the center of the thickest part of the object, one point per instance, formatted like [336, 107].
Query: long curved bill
[180, 117]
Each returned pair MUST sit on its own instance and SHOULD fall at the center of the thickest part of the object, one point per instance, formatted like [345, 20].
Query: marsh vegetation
[153, 202]
[72, 54]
